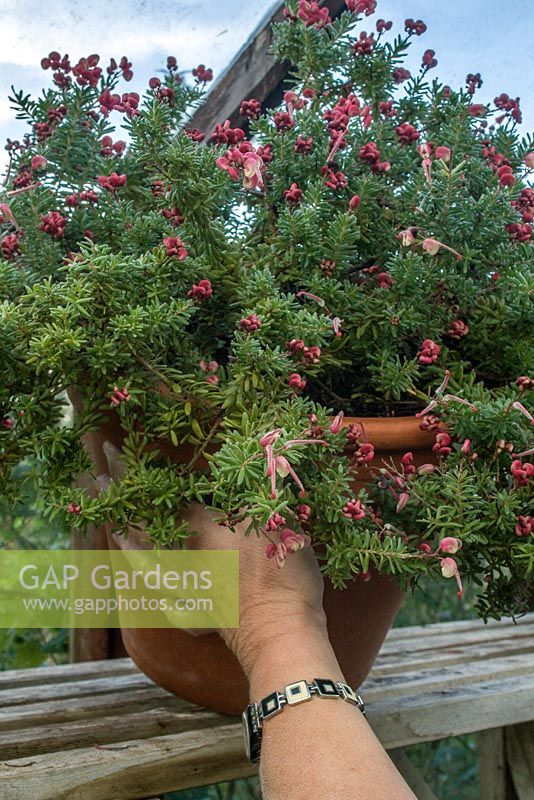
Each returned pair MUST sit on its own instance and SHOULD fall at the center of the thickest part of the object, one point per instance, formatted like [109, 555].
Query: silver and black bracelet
[255, 714]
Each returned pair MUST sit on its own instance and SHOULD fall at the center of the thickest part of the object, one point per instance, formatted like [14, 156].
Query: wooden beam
[412, 776]
[520, 757]
[494, 783]
[253, 72]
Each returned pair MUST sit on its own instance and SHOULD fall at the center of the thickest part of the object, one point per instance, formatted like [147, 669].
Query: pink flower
[120, 396]
[428, 61]
[401, 74]
[442, 446]
[303, 513]
[518, 232]
[457, 329]
[522, 472]
[418, 27]
[443, 153]
[311, 354]
[296, 382]
[111, 182]
[201, 291]
[53, 224]
[250, 323]
[277, 552]
[250, 108]
[364, 45]
[294, 541]
[450, 545]
[465, 449]
[354, 202]
[529, 160]
[365, 453]
[449, 569]
[202, 74]
[429, 352]
[403, 501]
[175, 247]
[311, 13]
[429, 422]
[382, 25]
[525, 383]
[366, 7]
[275, 522]
[407, 133]
[212, 379]
[38, 162]
[354, 509]
[406, 237]
[10, 246]
[74, 508]
[252, 171]
[304, 145]
[525, 526]
[337, 424]
[293, 195]
[173, 215]
[225, 134]
[407, 463]
[284, 468]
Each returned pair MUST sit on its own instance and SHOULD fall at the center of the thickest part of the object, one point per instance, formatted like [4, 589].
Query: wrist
[299, 652]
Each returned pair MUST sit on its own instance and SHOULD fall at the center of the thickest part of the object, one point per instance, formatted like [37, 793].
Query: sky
[486, 36]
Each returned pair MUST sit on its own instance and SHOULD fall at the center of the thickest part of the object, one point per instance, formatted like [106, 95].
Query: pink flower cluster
[244, 163]
[371, 154]
[202, 74]
[120, 396]
[522, 472]
[201, 291]
[312, 14]
[53, 224]
[525, 526]
[111, 182]
[407, 133]
[175, 247]
[250, 324]
[429, 352]
[126, 103]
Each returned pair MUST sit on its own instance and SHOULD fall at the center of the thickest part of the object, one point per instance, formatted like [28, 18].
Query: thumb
[117, 467]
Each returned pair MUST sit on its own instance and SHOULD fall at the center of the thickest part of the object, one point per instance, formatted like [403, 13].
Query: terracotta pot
[202, 669]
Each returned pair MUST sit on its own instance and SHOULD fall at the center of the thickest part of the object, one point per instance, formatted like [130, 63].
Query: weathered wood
[144, 724]
[64, 673]
[446, 628]
[520, 758]
[429, 640]
[103, 731]
[493, 774]
[73, 708]
[145, 767]
[252, 73]
[412, 776]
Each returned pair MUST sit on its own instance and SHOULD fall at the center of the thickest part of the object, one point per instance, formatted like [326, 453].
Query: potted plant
[320, 323]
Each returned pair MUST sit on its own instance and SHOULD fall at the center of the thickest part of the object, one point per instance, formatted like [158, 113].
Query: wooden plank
[452, 712]
[493, 779]
[428, 680]
[142, 724]
[412, 776]
[72, 708]
[391, 665]
[158, 765]
[437, 628]
[118, 683]
[252, 73]
[520, 757]
[479, 635]
[66, 672]
[195, 758]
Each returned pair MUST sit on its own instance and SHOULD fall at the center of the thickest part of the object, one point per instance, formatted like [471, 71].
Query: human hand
[277, 606]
